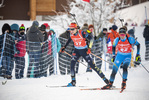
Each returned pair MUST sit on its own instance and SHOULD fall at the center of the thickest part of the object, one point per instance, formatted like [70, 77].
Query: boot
[123, 84]
[72, 83]
[108, 86]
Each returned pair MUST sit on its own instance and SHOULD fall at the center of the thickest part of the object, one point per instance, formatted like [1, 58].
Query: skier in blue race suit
[124, 45]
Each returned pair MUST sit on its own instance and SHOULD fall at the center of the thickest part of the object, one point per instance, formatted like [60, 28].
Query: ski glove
[138, 59]
[62, 49]
[88, 51]
[113, 58]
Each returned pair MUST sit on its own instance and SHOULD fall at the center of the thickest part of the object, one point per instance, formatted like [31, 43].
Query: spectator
[66, 34]
[44, 51]
[111, 36]
[19, 55]
[146, 36]
[85, 27]
[35, 39]
[47, 28]
[56, 46]
[8, 52]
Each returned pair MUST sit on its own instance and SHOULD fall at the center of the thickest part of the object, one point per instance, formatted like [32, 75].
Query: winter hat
[5, 27]
[90, 26]
[131, 32]
[43, 28]
[114, 27]
[104, 29]
[73, 25]
[46, 24]
[52, 31]
[35, 23]
[15, 27]
[22, 27]
[122, 30]
[85, 27]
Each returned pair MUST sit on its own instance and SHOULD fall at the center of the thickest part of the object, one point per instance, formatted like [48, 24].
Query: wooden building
[29, 9]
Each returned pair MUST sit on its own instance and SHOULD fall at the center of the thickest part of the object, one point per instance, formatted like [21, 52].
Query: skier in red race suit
[81, 49]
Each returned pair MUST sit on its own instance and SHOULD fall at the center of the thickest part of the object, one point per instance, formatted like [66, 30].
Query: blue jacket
[54, 41]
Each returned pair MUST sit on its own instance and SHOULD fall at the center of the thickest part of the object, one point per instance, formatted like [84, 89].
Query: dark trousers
[34, 64]
[19, 68]
[82, 52]
[147, 50]
[7, 65]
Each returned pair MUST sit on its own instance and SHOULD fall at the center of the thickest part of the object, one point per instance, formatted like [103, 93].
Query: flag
[109, 47]
[87, 1]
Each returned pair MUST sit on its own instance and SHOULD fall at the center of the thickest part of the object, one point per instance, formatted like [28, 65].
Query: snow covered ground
[35, 89]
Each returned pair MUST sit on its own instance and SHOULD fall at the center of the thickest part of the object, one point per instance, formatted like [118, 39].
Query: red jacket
[112, 35]
[49, 45]
[21, 46]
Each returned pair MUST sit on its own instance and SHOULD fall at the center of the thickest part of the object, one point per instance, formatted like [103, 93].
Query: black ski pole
[144, 67]
[107, 62]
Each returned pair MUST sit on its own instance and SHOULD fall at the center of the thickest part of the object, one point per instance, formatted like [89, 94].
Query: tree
[98, 13]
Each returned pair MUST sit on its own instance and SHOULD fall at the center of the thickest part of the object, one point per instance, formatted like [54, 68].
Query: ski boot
[108, 86]
[89, 69]
[123, 84]
[72, 83]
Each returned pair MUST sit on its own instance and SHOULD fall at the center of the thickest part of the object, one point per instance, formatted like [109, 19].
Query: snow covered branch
[1, 5]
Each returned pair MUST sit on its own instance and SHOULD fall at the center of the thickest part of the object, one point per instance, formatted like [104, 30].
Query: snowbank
[134, 14]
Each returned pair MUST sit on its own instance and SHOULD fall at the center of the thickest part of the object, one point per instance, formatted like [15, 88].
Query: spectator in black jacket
[44, 51]
[7, 53]
[146, 36]
[34, 39]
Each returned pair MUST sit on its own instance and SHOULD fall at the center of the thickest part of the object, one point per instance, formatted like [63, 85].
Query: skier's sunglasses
[72, 29]
[122, 34]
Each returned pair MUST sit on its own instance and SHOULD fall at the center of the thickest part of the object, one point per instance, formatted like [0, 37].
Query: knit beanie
[104, 29]
[22, 27]
[5, 27]
[91, 26]
[46, 24]
[15, 27]
[114, 27]
[42, 28]
[35, 23]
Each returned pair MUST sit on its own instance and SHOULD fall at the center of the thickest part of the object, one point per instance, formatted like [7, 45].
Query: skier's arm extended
[69, 40]
[63, 48]
[135, 42]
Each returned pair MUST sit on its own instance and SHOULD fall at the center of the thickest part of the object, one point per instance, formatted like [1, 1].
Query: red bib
[78, 40]
[124, 47]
